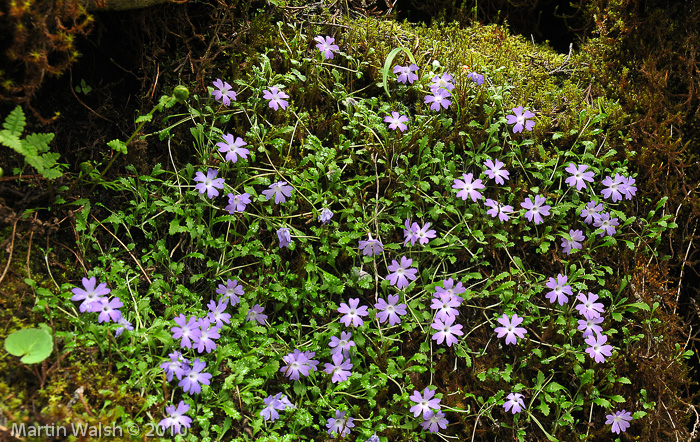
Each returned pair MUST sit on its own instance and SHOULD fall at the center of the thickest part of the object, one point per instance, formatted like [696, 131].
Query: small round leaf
[32, 344]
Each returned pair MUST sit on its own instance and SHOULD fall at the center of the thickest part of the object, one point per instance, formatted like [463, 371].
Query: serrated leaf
[602, 402]
[14, 123]
[144, 118]
[118, 145]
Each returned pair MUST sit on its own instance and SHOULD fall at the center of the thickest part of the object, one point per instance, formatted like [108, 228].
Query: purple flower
[340, 368]
[256, 314]
[209, 183]
[620, 421]
[176, 366]
[451, 289]
[276, 98]
[280, 190]
[410, 233]
[237, 203]
[446, 331]
[187, 330]
[591, 212]
[536, 209]
[442, 81]
[396, 121]
[616, 187]
[434, 421]
[510, 328]
[495, 171]
[326, 46]
[514, 403]
[90, 294]
[575, 243]
[326, 215]
[298, 363]
[231, 290]
[467, 188]
[205, 341]
[424, 403]
[406, 73]
[439, 98]
[445, 304]
[352, 313]
[389, 310]
[342, 345]
[193, 377]
[223, 92]
[176, 418]
[371, 246]
[559, 289]
[588, 307]
[629, 189]
[400, 274]
[590, 325]
[108, 310]
[476, 78]
[217, 312]
[233, 149]
[498, 209]
[273, 404]
[608, 225]
[424, 235]
[579, 176]
[520, 119]
[284, 236]
[597, 348]
[340, 425]
[125, 325]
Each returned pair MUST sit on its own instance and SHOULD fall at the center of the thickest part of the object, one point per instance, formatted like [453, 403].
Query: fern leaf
[14, 123]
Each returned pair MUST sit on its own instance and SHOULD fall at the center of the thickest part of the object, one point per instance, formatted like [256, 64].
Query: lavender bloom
[588, 307]
[451, 289]
[352, 313]
[284, 236]
[592, 212]
[597, 348]
[298, 363]
[575, 243]
[326, 215]
[579, 176]
[231, 290]
[445, 304]
[495, 171]
[536, 209]
[424, 403]
[510, 328]
[476, 78]
[176, 366]
[326, 46]
[396, 121]
[223, 92]
[424, 235]
[205, 341]
[280, 190]
[520, 119]
[256, 314]
[275, 403]
[124, 325]
[176, 418]
[209, 183]
[233, 149]
[389, 310]
[498, 209]
[616, 187]
[108, 310]
[342, 345]
[237, 203]
[371, 246]
[608, 225]
[373, 438]
[442, 81]
[217, 312]
[435, 421]
[514, 403]
[620, 421]
[401, 273]
[629, 189]
[410, 233]
[467, 188]
[439, 98]
[276, 98]
[340, 368]
[340, 425]
[590, 325]
[406, 73]
[187, 330]
[446, 331]
[193, 377]
[559, 290]
[89, 294]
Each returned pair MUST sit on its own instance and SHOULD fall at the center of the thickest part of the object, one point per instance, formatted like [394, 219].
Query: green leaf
[602, 402]
[14, 123]
[118, 145]
[10, 140]
[637, 306]
[32, 344]
[388, 63]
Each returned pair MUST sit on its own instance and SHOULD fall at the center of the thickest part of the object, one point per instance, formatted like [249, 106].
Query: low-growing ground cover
[388, 241]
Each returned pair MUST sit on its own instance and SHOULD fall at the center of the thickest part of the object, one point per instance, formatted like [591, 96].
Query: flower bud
[181, 93]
